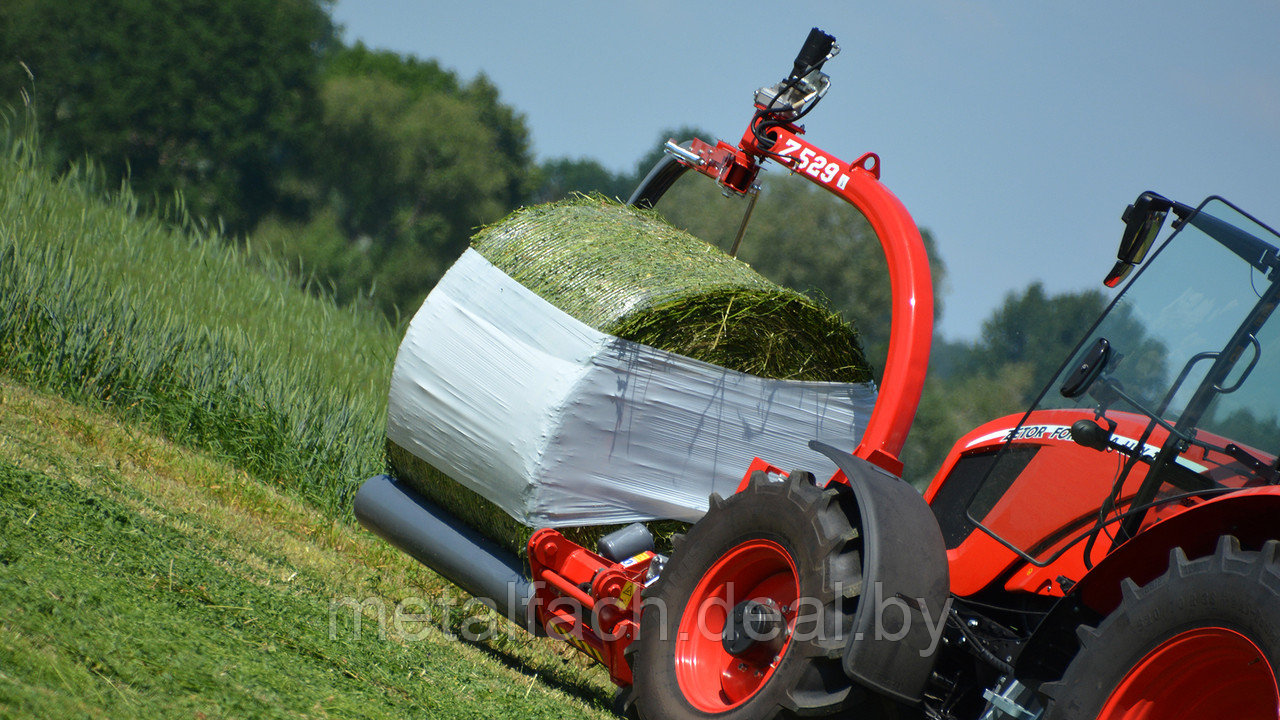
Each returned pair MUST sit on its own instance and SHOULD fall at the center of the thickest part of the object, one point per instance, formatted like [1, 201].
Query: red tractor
[1114, 552]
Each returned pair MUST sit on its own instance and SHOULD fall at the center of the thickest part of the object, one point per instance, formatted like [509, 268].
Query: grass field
[188, 333]
[182, 426]
[139, 579]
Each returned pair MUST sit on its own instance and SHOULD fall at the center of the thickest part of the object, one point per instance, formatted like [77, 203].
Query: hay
[478, 513]
[627, 273]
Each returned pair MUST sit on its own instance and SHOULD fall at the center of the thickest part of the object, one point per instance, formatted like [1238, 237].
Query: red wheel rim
[711, 679]
[1202, 673]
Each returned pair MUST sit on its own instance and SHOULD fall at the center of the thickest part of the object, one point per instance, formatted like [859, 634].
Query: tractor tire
[1201, 641]
[774, 542]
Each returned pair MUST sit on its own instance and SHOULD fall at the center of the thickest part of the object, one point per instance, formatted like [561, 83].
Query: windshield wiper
[1259, 253]
[1260, 467]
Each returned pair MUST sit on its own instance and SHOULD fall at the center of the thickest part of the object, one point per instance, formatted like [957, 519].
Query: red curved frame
[911, 332]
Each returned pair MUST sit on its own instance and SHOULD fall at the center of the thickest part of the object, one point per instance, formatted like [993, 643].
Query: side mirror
[1142, 222]
[1089, 368]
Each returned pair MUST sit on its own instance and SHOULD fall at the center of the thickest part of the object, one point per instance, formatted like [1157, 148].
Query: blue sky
[1015, 131]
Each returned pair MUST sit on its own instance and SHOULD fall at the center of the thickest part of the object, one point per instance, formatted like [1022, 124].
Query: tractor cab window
[1188, 388]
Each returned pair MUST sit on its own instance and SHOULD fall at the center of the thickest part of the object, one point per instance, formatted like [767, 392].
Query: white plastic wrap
[562, 425]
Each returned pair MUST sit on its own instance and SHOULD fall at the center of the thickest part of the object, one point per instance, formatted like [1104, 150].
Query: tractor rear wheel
[1203, 640]
[750, 616]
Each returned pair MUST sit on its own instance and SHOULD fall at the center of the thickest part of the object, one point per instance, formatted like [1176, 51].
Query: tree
[410, 163]
[213, 98]
[419, 79]
[561, 177]
[1034, 329]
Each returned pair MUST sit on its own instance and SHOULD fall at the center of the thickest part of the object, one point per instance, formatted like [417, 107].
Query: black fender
[906, 585]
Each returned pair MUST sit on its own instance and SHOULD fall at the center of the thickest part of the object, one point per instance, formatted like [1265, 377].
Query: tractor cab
[1144, 473]
[1172, 399]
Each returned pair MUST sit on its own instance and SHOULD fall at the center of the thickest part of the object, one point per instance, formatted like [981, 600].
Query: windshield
[1191, 355]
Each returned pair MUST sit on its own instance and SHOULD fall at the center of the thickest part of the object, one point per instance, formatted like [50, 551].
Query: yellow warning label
[636, 558]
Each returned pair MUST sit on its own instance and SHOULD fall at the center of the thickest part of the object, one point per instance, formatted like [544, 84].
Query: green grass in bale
[628, 273]
[492, 521]
[753, 331]
[463, 503]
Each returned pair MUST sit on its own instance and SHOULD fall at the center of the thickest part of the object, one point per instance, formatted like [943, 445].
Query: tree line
[371, 170]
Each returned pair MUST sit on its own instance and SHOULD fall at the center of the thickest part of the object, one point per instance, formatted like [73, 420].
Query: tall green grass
[197, 337]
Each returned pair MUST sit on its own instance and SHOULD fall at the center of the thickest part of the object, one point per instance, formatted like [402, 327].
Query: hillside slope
[187, 332]
[138, 579]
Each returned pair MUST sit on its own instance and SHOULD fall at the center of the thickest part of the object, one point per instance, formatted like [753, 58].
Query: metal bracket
[1007, 704]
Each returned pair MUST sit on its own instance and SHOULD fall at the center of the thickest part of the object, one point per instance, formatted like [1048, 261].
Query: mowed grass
[140, 579]
[187, 332]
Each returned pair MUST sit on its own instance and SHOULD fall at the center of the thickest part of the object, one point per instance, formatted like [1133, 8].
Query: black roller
[431, 536]
[626, 542]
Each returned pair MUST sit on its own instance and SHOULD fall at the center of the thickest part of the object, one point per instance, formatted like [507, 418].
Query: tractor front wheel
[1203, 640]
[749, 618]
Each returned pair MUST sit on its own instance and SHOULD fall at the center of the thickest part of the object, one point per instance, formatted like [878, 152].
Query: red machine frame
[593, 603]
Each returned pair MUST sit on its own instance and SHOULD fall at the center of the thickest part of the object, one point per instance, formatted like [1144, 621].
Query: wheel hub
[756, 630]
